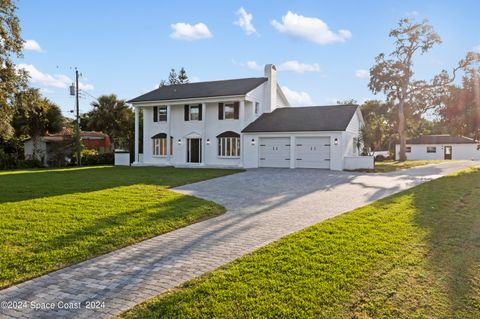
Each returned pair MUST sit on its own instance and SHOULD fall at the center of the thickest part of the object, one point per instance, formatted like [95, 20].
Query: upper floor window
[193, 112]
[228, 111]
[160, 114]
[257, 107]
[431, 149]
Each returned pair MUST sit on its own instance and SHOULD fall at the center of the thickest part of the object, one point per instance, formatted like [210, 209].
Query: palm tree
[111, 116]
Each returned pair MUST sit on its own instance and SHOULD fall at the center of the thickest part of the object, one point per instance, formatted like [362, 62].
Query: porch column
[242, 126]
[169, 142]
[137, 128]
[204, 133]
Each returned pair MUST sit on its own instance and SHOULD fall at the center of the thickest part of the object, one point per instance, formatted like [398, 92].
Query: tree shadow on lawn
[108, 233]
[452, 219]
[25, 185]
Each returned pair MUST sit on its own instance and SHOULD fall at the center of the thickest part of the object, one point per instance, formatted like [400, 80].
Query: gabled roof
[308, 118]
[441, 139]
[201, 90]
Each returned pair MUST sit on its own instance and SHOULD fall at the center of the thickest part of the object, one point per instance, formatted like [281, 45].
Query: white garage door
[312, 152]
[274, 152]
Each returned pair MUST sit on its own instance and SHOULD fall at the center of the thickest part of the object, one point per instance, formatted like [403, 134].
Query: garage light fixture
[208, 141]
[253, 141]
[335, 141]
[179, 142]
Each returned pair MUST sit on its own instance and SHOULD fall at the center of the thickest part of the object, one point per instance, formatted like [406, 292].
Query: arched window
[228, 144]
[159, 142]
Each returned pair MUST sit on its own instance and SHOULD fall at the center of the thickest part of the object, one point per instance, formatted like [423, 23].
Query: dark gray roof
[441, 139]
[308, 118]
[201, 89]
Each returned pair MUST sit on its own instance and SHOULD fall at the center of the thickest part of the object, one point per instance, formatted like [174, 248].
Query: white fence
[358, 162]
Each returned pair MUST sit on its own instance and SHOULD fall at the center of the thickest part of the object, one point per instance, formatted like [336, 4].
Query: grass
[411, 255]
[53, 218]
[391, 166]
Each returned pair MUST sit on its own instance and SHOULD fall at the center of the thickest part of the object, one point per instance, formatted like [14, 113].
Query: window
[408, 149]
[228, 111]
[160, 146]
[229, 146]
[431, 149]
[257, 107]
[194, 112]
[162, 114]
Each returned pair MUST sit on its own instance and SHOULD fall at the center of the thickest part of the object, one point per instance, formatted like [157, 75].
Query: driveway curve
[263, 205]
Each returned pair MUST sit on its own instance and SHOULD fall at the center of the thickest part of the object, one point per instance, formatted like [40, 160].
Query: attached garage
[312, 152]
[274, 152]
[323, 137]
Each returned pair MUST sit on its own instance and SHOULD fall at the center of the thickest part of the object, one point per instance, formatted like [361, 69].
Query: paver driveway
[263, 205]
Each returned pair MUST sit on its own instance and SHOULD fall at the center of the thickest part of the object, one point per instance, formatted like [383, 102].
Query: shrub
[98, 159]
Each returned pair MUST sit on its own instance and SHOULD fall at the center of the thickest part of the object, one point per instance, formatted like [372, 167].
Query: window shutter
[187, 117]
[236, 110]
[220, 111]
[155, 113]
[200, 109]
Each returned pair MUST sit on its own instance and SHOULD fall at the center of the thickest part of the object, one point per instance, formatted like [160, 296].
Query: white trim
[198, 100]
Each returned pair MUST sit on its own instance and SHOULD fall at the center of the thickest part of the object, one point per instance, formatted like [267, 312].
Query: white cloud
[32, 45]
[245, 21]
[311, 29]
[297, 98]
[252, 65]
[295, 66]
[188, 32]
[477, 48]
[60, 81]
[362, 73]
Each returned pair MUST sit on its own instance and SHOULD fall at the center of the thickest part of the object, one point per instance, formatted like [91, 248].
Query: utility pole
[74, 91]
[77, 105]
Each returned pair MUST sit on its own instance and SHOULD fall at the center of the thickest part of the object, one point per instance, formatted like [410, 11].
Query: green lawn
[53, 218]
[412, 255]
[390, 166]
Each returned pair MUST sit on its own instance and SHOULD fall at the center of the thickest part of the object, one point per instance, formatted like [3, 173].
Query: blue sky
[321, 48]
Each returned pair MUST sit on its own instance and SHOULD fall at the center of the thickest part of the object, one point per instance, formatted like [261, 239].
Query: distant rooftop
[441, 139]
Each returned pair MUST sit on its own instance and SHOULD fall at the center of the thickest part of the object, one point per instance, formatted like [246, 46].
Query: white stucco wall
[208, 128]
[41, 151]
[459, 152]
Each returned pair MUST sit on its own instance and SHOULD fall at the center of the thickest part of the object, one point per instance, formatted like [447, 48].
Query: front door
[447, 150]
[194, 150]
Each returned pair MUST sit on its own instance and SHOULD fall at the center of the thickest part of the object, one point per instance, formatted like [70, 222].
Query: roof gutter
[218, 98]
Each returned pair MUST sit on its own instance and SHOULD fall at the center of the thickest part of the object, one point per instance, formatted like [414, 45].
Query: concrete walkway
[263, 205]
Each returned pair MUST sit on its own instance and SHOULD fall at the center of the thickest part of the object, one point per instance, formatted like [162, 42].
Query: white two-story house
[243, 123]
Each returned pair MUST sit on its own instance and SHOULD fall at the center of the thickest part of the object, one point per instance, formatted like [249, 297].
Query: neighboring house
[49, 146]
[439, 147]
[242, 123]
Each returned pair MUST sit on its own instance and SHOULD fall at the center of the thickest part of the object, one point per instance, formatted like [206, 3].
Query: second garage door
[274, 152]
[312, 152]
